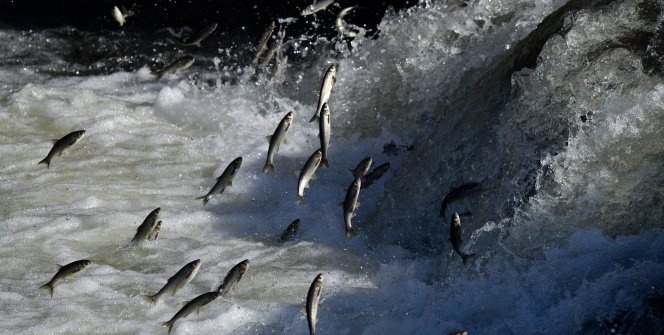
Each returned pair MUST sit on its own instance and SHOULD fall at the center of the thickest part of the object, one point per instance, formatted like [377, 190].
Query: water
[562, 128]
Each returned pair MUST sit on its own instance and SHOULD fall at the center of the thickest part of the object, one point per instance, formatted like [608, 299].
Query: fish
[276, 139]
[233, 277]
[374, 175]
[193, 305]
[326, 88]
[196, 39]
[339, 24]
[226, 179]
[456, 240]
[318, 6]
[313, 303]
[61, 146]
[455, 194]
[66, 272]
[324, 134]
[290, 231]
[273, 48]
[349, 204]
[178, 281]
[307, 173]
[145, 229]
[262, 43]
[155, 232]
[121, 15]
[361, 168]
[179, 65]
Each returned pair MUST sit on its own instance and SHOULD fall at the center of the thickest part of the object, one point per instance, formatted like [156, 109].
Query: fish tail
[300, 198]
[156, 74]
[45, 161]
[148, 298]
[205, 199]
[465, 259]
[314, 118]
[269, 166]
[350, 232]
[49, 287]
[168, 324]
[325, 163]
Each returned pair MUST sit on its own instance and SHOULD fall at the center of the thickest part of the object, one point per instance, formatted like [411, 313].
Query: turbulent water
[554, 108]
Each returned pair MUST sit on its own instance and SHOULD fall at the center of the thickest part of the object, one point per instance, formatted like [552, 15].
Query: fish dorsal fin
[218, 178]
[55, 140]
[318, 136]
[298, 172]
[320, 307]
[58, 266]
[303, 309]
[268, 138]
[277, 149]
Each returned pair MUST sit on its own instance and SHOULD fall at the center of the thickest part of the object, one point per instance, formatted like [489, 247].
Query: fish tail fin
[174, 34]
[148, 298]
[300, 198]
[314, 118]
[325, 163]
[350, 232]
[168, 324]
[46, 161]
[205, 199]
[269, 166]
[465, 259]
[49, 287]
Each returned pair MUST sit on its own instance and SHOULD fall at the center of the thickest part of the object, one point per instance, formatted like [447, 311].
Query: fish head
[79, 134]
[244, 266]
[296, 223]
[332, 70]
[195, 265]
[319, 280]
[289, 117]
[456, 222]
[156, 212]
[84, 264]
[236, 164]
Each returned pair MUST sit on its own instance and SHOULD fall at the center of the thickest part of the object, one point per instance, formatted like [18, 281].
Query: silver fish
[325, 90]
[263, 43]
[320, 5]
[120, 15]
[273, 48]
[61, 146]
[196, 39]
[349, 205]
[178, 281]
[324, 133]
[290, 231]
[191, 306]
[307, 173]
[276, 139]
[313, 303]
[374, 175]
[233, 277]
[340, 23]
[155, 232]
[226, 179]
[456, 194]
[179, 65]
[143, 231]
[455, 238]
[66, 272]
[361, 168]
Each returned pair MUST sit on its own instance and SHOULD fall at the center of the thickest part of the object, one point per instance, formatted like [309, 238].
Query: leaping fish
[226, 179]
[307, 173]
[179, 65]
[455, 238]
[349, 204]
[66, 272]
[340, 23]
[325, 90]
[61, 146]
[233, 277]
[263, 43]
[191, 306]
[276, 139]
[144, 231]
[318, 6]
[178, 281]
[121, 15]
[195, 39]
[313, 303]
[324, 134]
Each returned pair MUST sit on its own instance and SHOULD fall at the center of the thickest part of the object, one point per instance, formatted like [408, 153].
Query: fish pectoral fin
[352, 214]
[284, 140]
[230, 183]
[313, 176]
[316, 318]
[306, 184]
[320, 307]
[304, 310]
[268, 138]
[357, 204]
[198, 310]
